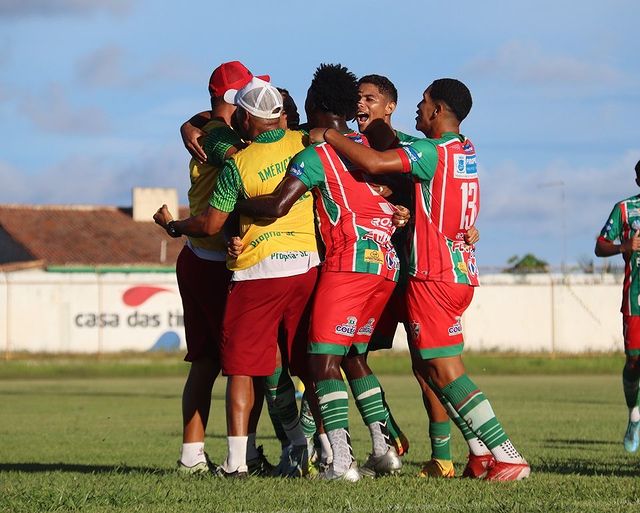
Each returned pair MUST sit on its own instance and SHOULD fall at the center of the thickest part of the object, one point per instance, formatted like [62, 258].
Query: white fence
[94, 313]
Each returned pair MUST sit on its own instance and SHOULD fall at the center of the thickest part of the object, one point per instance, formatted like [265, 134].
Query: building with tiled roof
[89, 237]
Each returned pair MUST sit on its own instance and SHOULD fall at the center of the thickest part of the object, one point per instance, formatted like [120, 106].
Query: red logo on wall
[135, 296]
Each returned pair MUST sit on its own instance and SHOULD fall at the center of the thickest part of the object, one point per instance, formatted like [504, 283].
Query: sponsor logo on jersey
[347, 329]
[473, 268]
[413, 155]
[462, 267]
[297, 169]
[392, 260]
[464, 166]
[373, 256]
[367, 329]
[384, 222]
[456, 328]
[635, 224]
[633, 212]
[378, 236]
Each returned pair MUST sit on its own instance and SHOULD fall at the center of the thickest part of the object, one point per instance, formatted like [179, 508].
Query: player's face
[426, 114]
[372, 105]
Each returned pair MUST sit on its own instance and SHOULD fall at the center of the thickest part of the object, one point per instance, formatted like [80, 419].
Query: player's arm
[606, 248]
[191, 131]
[276, 204]
[210, 222]
[372, 161]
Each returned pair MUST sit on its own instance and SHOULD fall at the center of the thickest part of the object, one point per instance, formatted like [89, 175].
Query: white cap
[258, 98]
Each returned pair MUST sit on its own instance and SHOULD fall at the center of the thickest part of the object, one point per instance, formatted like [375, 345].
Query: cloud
[26, 8]
[106, 67]
[527, 63]
[102, 67]
[52, 112]
[97, 179]
[537, 204]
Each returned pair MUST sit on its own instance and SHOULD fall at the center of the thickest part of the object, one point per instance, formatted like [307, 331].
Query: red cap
[230, 75]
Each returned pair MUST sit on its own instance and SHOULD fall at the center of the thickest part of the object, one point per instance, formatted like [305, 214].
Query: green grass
[42, 366]
[110, 444]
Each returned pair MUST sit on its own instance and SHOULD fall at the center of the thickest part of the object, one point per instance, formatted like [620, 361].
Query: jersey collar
[270, 136]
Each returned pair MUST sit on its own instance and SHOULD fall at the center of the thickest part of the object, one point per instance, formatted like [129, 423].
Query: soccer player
[623, 225]
[443, 270]
[273, 278]
[203, 279]
[358, 274]
[378, 100]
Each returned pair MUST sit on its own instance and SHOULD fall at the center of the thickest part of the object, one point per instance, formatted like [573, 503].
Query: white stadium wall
[95, 313]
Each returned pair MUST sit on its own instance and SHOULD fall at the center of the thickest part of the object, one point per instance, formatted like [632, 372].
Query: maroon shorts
[259, 315]
[345, 311]
[203, 285]
[435, 309]
[631, 332]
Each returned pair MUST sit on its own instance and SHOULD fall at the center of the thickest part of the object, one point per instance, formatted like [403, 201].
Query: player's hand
[190, 135]
[472, 236]
[383, 190]
[401, 216]
[235, 247]
[163, 216]
[316, 135]
[632, 244]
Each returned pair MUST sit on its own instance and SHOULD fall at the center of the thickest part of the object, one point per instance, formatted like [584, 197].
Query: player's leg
[203, 308]
[630, 379]
[382, 338]
[333, 326]
[248, 355]
[435, 308]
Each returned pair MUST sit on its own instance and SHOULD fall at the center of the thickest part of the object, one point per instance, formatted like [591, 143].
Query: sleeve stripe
[406, 163]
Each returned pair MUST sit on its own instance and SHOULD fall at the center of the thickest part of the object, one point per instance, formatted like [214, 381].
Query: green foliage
[110, 445]
[529, 263]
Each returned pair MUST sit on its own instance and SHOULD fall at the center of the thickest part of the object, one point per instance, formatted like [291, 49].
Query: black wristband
[324, 134]
[172, 230]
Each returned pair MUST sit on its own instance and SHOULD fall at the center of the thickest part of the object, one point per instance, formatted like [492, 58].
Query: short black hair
[384, 85]
[290, 109]
[638, 169]
[335, 89]
[454, 93]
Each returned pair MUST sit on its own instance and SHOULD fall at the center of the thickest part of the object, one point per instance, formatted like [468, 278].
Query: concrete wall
[90, 313]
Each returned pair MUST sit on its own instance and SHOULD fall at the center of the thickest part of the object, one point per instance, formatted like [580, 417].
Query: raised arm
[276, 204]
[372, 161]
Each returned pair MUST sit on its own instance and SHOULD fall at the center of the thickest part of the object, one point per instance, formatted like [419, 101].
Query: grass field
[109, 443]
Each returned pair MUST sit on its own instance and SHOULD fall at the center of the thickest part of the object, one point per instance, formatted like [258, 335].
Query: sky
[92, 94]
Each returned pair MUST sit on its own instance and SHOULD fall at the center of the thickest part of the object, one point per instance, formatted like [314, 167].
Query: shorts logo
[456, 328]
[415, 330]
[367, 329]
[347, 329]
[373, 256]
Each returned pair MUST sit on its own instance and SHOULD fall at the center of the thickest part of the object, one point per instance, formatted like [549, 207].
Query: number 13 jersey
[447, 202]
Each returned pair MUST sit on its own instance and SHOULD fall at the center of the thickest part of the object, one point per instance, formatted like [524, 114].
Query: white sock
[506, 452]
[326, 455]
[342, 452]
[237, 455]
[379, 445]
[477, 448]
[192, 453]
[252, 451]
[634, 414]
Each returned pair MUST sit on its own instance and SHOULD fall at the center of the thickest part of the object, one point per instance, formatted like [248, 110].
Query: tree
[529, 263]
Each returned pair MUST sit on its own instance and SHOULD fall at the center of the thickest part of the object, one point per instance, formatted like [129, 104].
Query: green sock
[440, 434]
[306, 418]
[472, 405]
[630, 387]
[368, 396]
[281, 395]
[334, 404]
[392, 425]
